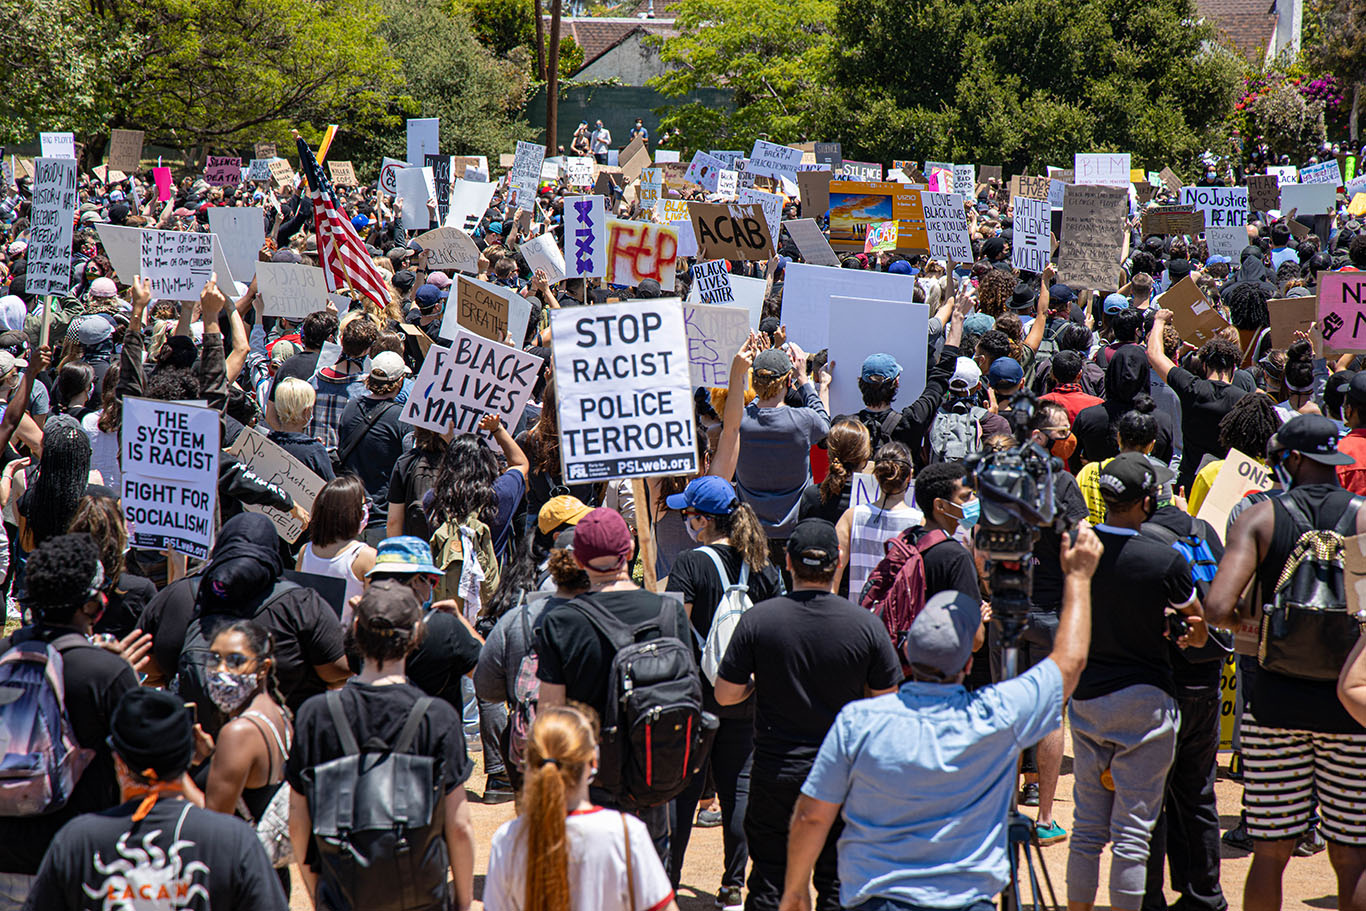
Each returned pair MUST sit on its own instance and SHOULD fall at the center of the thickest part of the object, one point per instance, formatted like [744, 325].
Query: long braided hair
[63, 472]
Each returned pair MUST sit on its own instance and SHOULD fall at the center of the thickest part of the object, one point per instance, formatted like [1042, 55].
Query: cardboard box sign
[732, 232]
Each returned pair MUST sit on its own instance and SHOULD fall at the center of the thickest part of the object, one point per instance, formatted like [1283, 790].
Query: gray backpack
[956, 433]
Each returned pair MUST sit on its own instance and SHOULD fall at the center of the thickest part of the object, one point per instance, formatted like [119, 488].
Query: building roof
[1246, 24]
[597, 36]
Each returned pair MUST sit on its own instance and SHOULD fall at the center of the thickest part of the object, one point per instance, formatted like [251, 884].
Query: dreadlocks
[1249, 425]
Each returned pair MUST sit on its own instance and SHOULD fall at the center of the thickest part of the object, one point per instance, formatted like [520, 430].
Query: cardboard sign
[457, 386]
[1325, 172]
[488, 309]
[638, 250]
[732, 232]
[1342, 310]
[1239, 476]
[265, 150]
[1290, 315]
[1263, 192]
[625, 393]
[1192, 313]
[633, 159]
[1030, 244]
[291, 290]
[281, 174]
[1093, 236]
[57, 145]
[901, 331]
[585, 237]
[1173, 220]
[543, 253]
[424, 138]
[241, 232]
[1106, 169]
[170, 475]
[810, 241]
[177, 263]
[125, 150]
[807, 293]
[714, 335]
[274, 465]
[342, 173]
[1031, 187]
[813, 188]
[946, 226]
[50, 226]
[1170, 181]
[769, 159]
[449, 248]
[1309, 199]
[1354, 572]
[123, 246]
[469, 201]
[854, 205]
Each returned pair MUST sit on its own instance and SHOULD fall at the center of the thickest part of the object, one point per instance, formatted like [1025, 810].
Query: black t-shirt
[1128, 620]
[446, 653]
[810, 654]
[414, 474]
[1097, 433]
[305, 630]
[542, 485]
[374, 457]
[301, 366]
[1203, 404]
[1047, 591]
[179, 856]
[1182, 523]
[694, 576]
[571, 652]
[812, 507]
[126, 602]
[948, 567]
[95, 681]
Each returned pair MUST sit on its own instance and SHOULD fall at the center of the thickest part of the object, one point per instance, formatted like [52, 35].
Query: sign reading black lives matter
[473, 377]
[625, 395]
[170, 475]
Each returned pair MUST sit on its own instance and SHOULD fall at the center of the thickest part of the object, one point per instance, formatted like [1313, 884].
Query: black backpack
[1306, 630]
[379, 838]
[880, 426]
[655, 735]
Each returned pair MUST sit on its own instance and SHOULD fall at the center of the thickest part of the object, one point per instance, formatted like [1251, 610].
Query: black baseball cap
[1312, 436]
[814, 543]
[1353, 387]
[1130, 476]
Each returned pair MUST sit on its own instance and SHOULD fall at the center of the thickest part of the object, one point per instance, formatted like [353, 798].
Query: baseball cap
[403, 279]
[1216, 259]
[878, 367]
[966, 374]
[18, 248]
[814, 543]
[1114, 303]
[773, 362]
[440, 279]
[648, 288]
[707, 494]
[90, 329]
[1005, 371]
[428, 295]
[602, 533]
[561, 510]
[103, 287]
[1353, 386]
[359, 221]
[403, 554]
[9, 363]
[387, 606]
[901, 267]
[1178, 269]
[939, 642]
[387, 366]
[1058, 293]
[978, 323]
[1312, 436]
[993, 247]
[1129, 476]
[151, 730]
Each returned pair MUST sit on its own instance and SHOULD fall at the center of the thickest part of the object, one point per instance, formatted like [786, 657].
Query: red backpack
[895, 589]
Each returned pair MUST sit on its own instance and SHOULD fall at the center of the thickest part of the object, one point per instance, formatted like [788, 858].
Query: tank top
[872, 528]
[338, 567]
[254, 801]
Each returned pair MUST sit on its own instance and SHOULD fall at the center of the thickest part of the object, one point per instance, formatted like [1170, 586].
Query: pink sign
[1342, 310]
[223, 171]
[162, 176]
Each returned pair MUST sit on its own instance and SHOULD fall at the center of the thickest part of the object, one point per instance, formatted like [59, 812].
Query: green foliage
[775, 56]
[571, 57]
[1291, 123]
[1335, 37]
[501, 25]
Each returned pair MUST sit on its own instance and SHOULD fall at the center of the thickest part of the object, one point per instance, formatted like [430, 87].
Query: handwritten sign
[768, 159]
[525, 175]
[1030, 244]
[714, 335]
[125, 149]
[223, 171]
[50, 226]
[1173, 220]
[177, 263]
[1093, 236]
[585, 237]
[705, 170]
[1325, 172]
[123, 245]
[265, 150]
[651, 183]
[638, 250]
[1239, 476]
[241, 232]
[457, 386]
[810, 241]
[57, 145]
[1031, 187]
[291, 290]
[734, 232]
[1263, 192]
[711, 284]
[342, 173]
[543, 253]
[449, 248]
[671, 209]
[170, 474]
[859, 170]
[881, 236]
[1342, 310]
[578, 171]
[771, 203]
[258, 169]
[1192, 313]
[946, 225]
[491, 308]
[274, 465]
[1105, 169]
[281, 174]
[480, 312]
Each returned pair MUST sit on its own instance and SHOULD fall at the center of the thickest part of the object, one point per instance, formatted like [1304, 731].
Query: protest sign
[830, 155]
[1222, 206]
[633, 159]
[989, 172]
[704, 170]
[342, 173]
[578, 171]
[525, 175]
[1030, 246]
[1173, 220]
[711, 284]
[449, 248]
[388, 174]
[729, 157]
[415, 187]
[638, 250]
[1192, 313]
[854, 205]
[965, 180]
[170, 474]
[291, 290]
[223, 171]
[50, 226]
[651, 183]
[1057, 192]
[813, 188]
[1263, 192]
[542, 252]
[771, 203]
[457, 386]
[1239, 476]
[57, 145]
[687, 243]
[162, 178]
[714, 335]
[468, 202]
[732, 232]
[1093, 236]
[1342, 310]
[177, 263]
[749, 294]
[769, 159]
[810, 241]
[281, 174]
[859, 171]
[441, 182]
[125, 150]
[585, 237]
[258, 169]
[881, 236]
[1170, 181]
[1309, 199]
[1325, 172]
[665, 155]
[123, 246]
[1284, 173]
[241, 233]
[670, 209]
[424, 138]
[274, 465]
[1290, 315]
[807, 291]
[265, 150]
[1031, 187]
[625, 393]
[946, 226]
[1107, 169]
[727, 184]
[901, 331]
[940, 176]
[487, 310]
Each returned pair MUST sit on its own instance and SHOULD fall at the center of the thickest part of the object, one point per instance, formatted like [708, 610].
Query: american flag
[345, 261]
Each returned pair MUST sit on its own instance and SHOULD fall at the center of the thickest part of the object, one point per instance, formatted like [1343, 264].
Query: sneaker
[728, 898]
[1049, 834]
[1029, 794]
[1237, 837]
[1310, 843]
[708, 819]
[498, 790]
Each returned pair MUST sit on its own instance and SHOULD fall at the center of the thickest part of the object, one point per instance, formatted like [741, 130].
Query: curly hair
[58, 576]
[994, 291]
[1249, 425]
[1219, 355]
[464, 482]
[1247, 308]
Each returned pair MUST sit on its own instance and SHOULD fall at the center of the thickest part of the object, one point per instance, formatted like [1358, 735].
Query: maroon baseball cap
[602, 533]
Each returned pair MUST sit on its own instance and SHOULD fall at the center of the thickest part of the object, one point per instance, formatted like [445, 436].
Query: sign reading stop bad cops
[625, 397]
[170, 474]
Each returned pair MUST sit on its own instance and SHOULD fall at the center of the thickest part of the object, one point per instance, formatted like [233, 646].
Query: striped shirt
[869, 533]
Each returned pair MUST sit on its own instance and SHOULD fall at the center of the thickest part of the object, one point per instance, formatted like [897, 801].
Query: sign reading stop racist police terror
[625, 397]
[473, 377]
[170, 474]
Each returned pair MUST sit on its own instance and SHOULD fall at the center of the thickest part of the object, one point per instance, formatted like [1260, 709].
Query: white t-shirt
[597, 865]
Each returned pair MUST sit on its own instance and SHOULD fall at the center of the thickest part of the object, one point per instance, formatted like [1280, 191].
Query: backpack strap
[409, 732]
[346, 784]
[1347, 522]
[344, 732]
[1160, 533]
[604, 621]
[718, 563]
[890, 423]
[1298, 517]
[354, 440]
[930, 539]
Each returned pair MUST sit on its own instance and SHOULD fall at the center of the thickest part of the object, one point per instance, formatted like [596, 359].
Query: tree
[571, 57]
[774, 55]
[501, 25]
[1340, 28]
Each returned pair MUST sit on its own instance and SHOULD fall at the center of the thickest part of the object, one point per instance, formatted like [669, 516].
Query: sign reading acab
[734, 232]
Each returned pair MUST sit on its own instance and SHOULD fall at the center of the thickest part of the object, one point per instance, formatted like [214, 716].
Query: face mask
[229, 691]
[972, 510]
[1063, 448]
[692, 532]
[1282, 473]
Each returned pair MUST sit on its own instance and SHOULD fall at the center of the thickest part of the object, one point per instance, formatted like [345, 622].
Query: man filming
[941, 844]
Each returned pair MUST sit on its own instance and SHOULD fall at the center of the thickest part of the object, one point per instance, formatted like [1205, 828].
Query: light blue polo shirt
[926, 776]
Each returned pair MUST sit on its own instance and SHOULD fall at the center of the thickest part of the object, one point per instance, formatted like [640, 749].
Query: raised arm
[18, 403]
[516, 459]
[728, 447]
[1157, 356]
[1036, 329]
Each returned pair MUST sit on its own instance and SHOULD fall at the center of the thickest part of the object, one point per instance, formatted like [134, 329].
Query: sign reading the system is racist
[170, 474]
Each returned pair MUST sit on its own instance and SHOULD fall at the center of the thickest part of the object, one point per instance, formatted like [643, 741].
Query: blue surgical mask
[972, 510]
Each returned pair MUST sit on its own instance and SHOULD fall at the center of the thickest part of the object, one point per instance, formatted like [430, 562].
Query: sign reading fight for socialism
[473, 377]
[1342, 310]
[625, 394]
[170, 474]
[50, 226]
[1029, 244]
[585, 237]
[177, 263]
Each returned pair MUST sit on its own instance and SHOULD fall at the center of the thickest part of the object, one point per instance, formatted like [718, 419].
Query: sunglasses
[233, 661]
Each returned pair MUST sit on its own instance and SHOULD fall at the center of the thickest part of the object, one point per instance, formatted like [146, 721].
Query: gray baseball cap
[939, 641]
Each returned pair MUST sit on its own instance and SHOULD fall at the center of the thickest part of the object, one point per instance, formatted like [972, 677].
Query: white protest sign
[50, 226]
[424, 138]
[542, 252]
[473, 377]
[177, 263]
[811, 241]
[1238, 477]
[768, 159]
[771, 203]
[964, 179]
[711, 284]
[704, 171]
[670, 209]
[714, 335]
[807, 290]
[1106, 169]
[585, 237]
[749, 293]
[415, 187]
[274, 465]
[687, 241]
[449, 248]
[123, 246]
[57, 145]
[1309, 199]
[625, 391]
[170, 474]
[469, 201]
[727, 183]
[1029, 244]
[1325, 172]
[473, 301]
[651, 183]
[525, 175]
[864, 489]
[388, 174]
[291, 290]
[1057, 192]
[578, 171]
[259, 169]
[901, 332]
[663, 155]
[946, 226]
[1225, 211]
[1284, 173]
[241, 232]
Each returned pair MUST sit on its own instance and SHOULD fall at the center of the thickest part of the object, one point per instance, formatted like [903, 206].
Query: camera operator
[941, 844]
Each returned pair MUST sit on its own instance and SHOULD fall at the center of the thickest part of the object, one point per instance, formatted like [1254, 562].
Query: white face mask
[693, 533]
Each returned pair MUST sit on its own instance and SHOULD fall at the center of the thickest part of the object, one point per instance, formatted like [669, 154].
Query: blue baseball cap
[1005, 371]
[403, 554]
[1114, 303]
[360, 221]
[901, 267]
[428, 295]
[978, 323]
[1058, 293]
[1216, 259]
[707, 494]
[880, 367]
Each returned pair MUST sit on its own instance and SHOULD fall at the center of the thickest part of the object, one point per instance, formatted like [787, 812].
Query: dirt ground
[1309, 881]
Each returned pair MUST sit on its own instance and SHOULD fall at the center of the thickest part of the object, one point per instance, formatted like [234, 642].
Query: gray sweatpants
[1131, 732]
